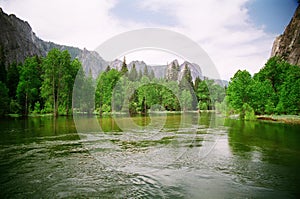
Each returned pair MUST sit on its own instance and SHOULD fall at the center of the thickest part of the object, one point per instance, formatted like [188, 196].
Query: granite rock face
[18, 41]
[287, 45]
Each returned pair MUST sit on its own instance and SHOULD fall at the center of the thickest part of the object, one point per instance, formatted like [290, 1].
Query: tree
[106, 82]
[4, 99]
[239, 90]
[70, 72]
[12, 80]
[289, 94]
[274, 70]
[83, 93]
[146, 72]
[172, 73]
[196, 84]
[56, 67]
[29, 84]
[124, 68]
[203, 96]
[262, 97]
[169, 94]
[133, 75]
[186, 100]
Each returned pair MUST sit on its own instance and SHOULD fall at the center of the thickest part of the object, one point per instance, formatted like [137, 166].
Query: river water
[162, 156]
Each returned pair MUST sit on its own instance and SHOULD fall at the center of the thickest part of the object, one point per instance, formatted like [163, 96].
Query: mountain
[18, 41]
[287, 45]
[194, 68]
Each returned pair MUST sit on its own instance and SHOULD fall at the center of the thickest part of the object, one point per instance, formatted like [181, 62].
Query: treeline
[45, 85]
[275, 89]
[137, 92]
[39, 85]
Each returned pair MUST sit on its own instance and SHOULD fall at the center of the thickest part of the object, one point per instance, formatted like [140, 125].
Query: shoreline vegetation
[57, 85]
[286, 119]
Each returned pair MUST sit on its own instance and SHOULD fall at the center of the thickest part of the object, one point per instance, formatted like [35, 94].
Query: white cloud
[221, 27]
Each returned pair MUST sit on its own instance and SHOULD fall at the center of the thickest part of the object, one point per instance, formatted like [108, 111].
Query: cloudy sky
[236, 34]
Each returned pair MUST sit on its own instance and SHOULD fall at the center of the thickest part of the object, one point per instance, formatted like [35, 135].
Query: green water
[163, 156]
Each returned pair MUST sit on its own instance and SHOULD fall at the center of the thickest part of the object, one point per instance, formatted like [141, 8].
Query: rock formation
[18, 41]
[287, 45]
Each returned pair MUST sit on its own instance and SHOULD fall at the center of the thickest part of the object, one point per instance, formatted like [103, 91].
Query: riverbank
[288, 119]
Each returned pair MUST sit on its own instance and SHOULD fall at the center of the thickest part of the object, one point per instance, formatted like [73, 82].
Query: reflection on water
[45, 157]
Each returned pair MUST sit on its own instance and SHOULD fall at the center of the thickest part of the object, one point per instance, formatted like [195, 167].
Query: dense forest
[275, 89]
[43, 85]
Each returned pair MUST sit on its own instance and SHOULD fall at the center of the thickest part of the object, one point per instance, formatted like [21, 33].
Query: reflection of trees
[271, 139]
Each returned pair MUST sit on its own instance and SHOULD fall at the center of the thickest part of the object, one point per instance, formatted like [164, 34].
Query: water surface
[196, 156]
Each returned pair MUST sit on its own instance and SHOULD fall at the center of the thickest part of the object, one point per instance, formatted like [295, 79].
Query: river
[161, 156]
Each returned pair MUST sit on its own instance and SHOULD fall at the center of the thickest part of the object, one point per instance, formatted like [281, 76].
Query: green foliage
[28, 89]
[12, 80]
[133, 74]
[239, 89]
[58, 79]
[14, 107]
[106, 82]
[263, 97]
[247, 112]
[83, 93]
[274, 89]
[124, 68]
[4, 99]
[37, 107]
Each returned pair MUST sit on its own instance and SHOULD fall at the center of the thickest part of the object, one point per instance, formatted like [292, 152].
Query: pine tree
[146, 72]
[12, 80]
[133, 75]
[124, 68]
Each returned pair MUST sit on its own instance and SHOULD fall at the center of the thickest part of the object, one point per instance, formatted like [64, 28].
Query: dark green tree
[203, 96]
[289, 95]
[124, 68]
[12, 80]
[29, 84]
[239, 91]
[55, 86]
[106, 82]
[4, 99]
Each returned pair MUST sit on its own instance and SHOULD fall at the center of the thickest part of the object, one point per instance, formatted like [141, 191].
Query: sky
[236, 34]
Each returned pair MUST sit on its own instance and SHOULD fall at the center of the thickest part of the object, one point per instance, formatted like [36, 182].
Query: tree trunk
[26, 104]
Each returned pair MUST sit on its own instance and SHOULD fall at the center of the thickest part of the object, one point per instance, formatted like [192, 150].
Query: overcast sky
[236, 34]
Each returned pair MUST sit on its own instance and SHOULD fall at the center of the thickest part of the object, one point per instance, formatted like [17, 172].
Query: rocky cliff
[287, 45]
[18, 41]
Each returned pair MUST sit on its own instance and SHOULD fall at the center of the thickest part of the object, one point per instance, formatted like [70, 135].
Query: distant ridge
[18, 41]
